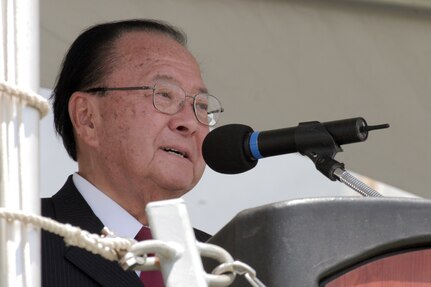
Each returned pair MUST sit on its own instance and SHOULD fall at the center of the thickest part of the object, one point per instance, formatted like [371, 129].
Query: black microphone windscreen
[223, 149]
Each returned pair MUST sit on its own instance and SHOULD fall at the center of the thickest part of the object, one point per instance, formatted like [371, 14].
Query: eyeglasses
[170, 99]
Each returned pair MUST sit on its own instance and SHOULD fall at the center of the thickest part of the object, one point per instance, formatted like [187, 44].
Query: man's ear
[82, 111]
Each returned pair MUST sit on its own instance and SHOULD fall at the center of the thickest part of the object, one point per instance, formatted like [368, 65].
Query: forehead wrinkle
[154, 54]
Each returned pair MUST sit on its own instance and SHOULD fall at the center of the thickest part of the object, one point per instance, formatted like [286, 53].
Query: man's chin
[177, 188]
[176, 182]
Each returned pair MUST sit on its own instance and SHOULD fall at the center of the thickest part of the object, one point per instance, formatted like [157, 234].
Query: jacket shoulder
[47, 208]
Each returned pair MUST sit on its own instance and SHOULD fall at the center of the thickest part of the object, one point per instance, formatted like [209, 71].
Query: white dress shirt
[112, 215]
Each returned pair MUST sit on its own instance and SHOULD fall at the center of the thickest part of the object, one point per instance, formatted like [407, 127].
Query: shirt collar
[112, 215]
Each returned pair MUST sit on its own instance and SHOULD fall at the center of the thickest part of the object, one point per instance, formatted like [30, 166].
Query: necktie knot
[144, 234]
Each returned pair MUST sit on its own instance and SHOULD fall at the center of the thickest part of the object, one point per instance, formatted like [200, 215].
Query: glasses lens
[208, 109]
[168, 98]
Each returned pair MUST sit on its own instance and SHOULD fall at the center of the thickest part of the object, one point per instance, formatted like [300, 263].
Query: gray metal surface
[300, 242]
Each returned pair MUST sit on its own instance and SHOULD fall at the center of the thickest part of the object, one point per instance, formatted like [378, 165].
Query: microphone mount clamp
[307, 134]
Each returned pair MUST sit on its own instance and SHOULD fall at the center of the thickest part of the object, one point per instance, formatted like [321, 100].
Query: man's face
[136, 142]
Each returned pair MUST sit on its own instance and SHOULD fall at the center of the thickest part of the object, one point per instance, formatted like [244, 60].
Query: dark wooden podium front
[334, 242]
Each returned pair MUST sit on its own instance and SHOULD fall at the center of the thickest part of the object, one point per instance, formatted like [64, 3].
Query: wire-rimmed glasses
[170, 99]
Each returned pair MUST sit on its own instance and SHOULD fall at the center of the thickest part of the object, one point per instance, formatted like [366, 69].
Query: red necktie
[149, 278]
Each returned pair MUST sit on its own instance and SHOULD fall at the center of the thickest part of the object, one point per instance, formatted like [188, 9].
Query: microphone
[236, 148]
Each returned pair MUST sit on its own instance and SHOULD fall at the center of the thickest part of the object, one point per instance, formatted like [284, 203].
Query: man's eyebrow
[165, 77]
[172, 79]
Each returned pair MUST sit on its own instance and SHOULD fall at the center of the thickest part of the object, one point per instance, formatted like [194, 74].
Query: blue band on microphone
[254, 148]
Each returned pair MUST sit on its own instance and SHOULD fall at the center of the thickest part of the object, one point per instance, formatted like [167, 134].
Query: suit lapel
[71, 207]
[106, 273]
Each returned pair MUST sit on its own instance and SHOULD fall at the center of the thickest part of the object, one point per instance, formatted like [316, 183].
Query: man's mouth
[174, 152]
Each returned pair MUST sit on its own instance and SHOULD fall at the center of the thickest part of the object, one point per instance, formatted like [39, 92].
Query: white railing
[20, 112]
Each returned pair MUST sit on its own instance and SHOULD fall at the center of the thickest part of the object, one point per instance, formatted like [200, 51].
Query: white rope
[20, 111]
[111, 248]
[29, 97]
[133, 255]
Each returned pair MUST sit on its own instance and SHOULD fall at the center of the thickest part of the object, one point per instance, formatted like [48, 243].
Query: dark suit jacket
[68, 266]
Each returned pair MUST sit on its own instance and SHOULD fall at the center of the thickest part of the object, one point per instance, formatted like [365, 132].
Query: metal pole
[19, 169]
[169, 221]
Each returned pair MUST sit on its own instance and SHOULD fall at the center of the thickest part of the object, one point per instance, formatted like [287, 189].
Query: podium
[333, 242]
